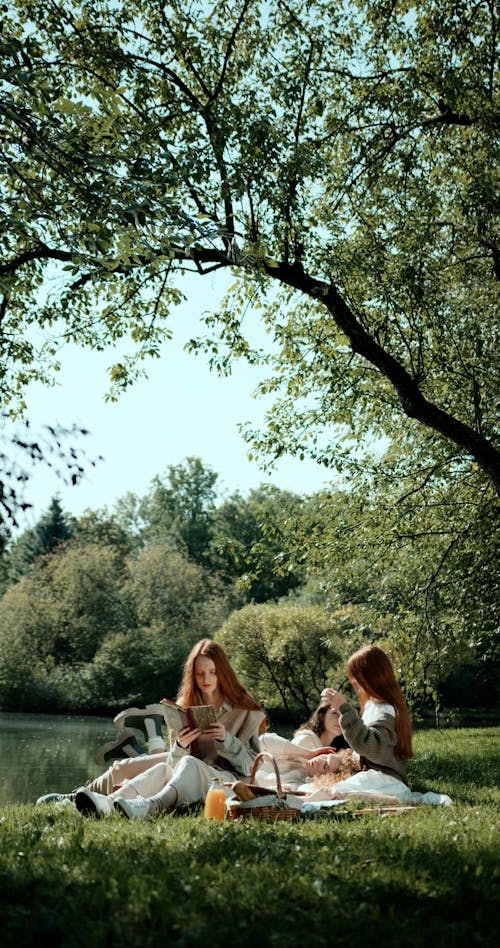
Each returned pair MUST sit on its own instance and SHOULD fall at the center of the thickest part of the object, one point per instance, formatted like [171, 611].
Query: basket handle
[264, 755]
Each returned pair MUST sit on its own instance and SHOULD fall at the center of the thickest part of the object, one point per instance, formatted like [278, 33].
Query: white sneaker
[93, 804]
[138, 809]
[61, 804]
[62, 798]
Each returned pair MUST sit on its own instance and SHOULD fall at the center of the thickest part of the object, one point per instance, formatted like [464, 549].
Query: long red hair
[371, 668]
[231, 688]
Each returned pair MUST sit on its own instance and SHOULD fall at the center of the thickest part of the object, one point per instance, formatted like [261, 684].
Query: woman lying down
[318, 754]
[341, 754]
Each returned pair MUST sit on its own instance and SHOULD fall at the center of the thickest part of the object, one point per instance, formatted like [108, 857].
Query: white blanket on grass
[370, 785]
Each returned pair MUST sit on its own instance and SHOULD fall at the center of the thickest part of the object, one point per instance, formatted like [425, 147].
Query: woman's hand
[187, 736]
[334, 698]
[317, 765]
[217, 732]
[298, 753]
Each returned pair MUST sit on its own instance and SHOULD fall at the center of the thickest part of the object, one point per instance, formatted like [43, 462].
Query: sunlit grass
[465, 764]
[428, 878]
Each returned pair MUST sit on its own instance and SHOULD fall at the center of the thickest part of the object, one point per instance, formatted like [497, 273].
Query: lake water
[40, 753]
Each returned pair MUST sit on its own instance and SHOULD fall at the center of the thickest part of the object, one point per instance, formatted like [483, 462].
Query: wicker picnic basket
[269, 805]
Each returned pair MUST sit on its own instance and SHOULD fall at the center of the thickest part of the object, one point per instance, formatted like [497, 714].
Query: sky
[181, 409]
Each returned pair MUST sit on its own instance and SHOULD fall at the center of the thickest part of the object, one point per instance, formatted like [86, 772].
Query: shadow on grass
[428, 878]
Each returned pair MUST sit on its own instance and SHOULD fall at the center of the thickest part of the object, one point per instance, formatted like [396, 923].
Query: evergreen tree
[52, 529]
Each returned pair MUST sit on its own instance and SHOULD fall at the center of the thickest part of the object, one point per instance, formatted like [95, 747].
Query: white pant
[149, 783]
[123, 771]
[191, 779]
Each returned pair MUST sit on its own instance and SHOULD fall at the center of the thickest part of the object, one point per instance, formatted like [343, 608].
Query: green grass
[426, 879]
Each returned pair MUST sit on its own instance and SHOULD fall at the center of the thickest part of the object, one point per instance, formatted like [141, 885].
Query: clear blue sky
[181, 409]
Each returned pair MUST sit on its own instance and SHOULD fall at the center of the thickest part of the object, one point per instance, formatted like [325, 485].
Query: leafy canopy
[344, 153]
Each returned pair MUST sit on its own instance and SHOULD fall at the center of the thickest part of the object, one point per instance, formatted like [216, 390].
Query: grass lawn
[429, 878]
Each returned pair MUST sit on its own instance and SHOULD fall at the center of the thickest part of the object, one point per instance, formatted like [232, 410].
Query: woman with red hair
[227, 749]
[381, 735]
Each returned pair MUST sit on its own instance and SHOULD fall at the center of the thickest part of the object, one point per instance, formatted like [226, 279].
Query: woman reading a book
[158, 783]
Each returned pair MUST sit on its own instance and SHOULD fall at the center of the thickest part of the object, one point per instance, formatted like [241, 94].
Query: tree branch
[413, 402]
[41, 252]
[232, 39]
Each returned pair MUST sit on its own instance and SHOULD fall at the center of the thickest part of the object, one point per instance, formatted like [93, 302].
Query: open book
[201, 716]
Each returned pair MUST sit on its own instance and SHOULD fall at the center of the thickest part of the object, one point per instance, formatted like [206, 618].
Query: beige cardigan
[240, 746]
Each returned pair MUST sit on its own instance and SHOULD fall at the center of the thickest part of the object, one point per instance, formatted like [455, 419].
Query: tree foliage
[106, 617]
[179, 508]
[424, 563]
[287, 653]
[51, 529]
[22, 450]
[67, 604]
[344, 153]
[251, 541]
[87, 627]
[239, 541]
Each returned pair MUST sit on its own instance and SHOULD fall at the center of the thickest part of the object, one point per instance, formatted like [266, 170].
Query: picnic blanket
[374, 786]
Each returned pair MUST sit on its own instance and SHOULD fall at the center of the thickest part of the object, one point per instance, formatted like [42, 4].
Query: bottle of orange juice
[215, 801]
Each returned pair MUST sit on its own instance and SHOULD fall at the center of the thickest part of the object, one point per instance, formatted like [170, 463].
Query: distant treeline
[100, 611]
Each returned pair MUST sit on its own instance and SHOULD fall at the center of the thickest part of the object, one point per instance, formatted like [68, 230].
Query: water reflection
[44, 752]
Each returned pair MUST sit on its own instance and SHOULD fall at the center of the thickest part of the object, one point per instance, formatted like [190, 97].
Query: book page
[174, 715]
[174, 719]
[204, 715]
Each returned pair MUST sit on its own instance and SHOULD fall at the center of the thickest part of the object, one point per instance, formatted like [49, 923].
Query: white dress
[292, 771]
[373, 784]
